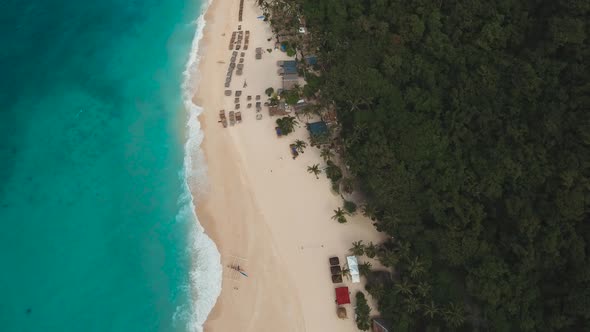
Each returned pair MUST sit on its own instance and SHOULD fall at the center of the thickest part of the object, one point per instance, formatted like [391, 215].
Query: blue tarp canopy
[311, 60]
[289, 70]
[289, 63]
[317, 128]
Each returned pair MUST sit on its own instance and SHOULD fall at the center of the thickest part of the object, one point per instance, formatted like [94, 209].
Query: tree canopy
[468, 125]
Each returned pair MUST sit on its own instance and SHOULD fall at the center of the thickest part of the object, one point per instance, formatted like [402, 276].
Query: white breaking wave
[205, 276]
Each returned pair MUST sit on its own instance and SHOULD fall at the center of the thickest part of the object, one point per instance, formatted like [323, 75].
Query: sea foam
[205, 276]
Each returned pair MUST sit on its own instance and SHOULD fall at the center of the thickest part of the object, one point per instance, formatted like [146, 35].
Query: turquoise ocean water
[97, 226]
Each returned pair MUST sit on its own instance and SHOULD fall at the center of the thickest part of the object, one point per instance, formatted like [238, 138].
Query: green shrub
[362, 311]
[269, 91]
[333, 172]
[350, 207]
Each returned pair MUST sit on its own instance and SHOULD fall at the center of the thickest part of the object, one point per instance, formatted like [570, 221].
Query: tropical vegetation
[287, 124]
[467, 126]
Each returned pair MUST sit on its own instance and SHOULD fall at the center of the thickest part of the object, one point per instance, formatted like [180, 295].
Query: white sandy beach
[263, 209]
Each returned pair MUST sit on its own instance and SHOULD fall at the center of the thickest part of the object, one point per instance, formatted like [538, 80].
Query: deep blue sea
[97, 226]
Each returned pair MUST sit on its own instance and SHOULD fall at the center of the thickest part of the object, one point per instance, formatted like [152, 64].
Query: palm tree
[365, 268]
[287, 124]
[412, 304]
[345, 272]
[370, 211]
[454, 315]
[403, 248]
[371, 250]
[315, 169]
[347, 185]
[403, 287]
[327, 154]
[358, 248]
[339, 215]
[423, 288]
[389, 258]
[416, 267]
[300, 145]
[430, 310]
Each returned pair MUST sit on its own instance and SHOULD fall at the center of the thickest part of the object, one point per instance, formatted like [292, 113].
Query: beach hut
[341, 312]
[353, 267]
[342, 295]
[290, 81]
[317, 129]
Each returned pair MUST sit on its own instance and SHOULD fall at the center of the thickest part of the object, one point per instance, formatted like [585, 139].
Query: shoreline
[260, 207]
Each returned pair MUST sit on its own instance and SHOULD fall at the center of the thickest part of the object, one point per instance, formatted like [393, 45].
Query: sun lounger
[237, 106]
[239, 117]
[222, 118]
[258, 56]
[228, 92]
[236, 100]
[237, 47]
[336, 269]
[249, 105]
[232, 118]
[246, 46]
[257, 97]
[238, 93]
[249, 98]
[239, 72]
[227, 84]
[258, 107]
[242, 54]
[240, 66]
[259, 116]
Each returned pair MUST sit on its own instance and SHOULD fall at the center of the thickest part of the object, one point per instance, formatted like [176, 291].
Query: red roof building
[342, 296]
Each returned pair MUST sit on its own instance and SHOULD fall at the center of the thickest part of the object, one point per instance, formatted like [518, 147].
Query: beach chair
[259, 116]
[237, 106]
[239, 117]
[228, 92]
[222, 118]
[238, 93]
[236, 100]
[257, 97]
[249, 98]
[249, 105]
[232, 118]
